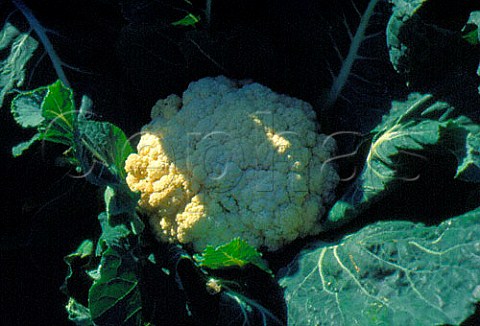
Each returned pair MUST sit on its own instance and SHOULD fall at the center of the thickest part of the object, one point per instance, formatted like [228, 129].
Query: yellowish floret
[234, 161]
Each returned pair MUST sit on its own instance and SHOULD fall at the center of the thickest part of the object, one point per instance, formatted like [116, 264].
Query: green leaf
[106, 147]
[403, 14]
[77, 282]
[478, 73]
[472, 36]
[26, 108]
[389, 273]
[468, 153]
[18, 150]
[48, 109]
[188, 20]
[401, 145]
[419, 30]
[115, 299]
[120, 204]
[84, 250]
[12, 67]
[246, 311]
[99, 148]
[59, 109]
[112, 235]
[470, 31]
[239, 297]
[235, 253]
[82, 253]
[78, 313]
[469, 168]
[120, 220]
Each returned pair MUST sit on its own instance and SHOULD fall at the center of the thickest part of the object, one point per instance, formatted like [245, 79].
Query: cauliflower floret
[236, 160]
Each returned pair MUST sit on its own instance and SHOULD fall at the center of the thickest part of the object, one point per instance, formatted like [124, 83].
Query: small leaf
[58, 107]
[235, 253]
[104, 147]
[26, 108]
[469, 163]
[83, 251]
[85, 108]
[236, 297]
[470, 31]
[12, 68]
[78, 281]
[78, 313]
[20, 148]
[120, 204]
[472, 36]
[112, 235]
[188, 20]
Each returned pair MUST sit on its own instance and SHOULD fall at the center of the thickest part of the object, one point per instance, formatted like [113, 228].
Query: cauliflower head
[232, 160]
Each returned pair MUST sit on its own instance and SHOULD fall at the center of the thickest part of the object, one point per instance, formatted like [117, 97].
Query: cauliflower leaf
[115, 299]
[237, 296]
[99, 149]
[102, 148]
[78, 313]
[235, 253]
[12, 68]
[402, 143]
[50, 110]
[470, 30]
[389, 273]
[417, 32]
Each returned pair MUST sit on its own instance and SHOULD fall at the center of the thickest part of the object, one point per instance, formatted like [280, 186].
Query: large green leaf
[389, 273]
[419, 30]
[115, 299]
[401, 145]
[12, 68]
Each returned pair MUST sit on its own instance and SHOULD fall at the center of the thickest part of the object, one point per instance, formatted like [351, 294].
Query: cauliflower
[230, 160]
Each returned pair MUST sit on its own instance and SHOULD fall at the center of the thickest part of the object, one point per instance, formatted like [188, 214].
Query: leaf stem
[42, 35]
[341, 79]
